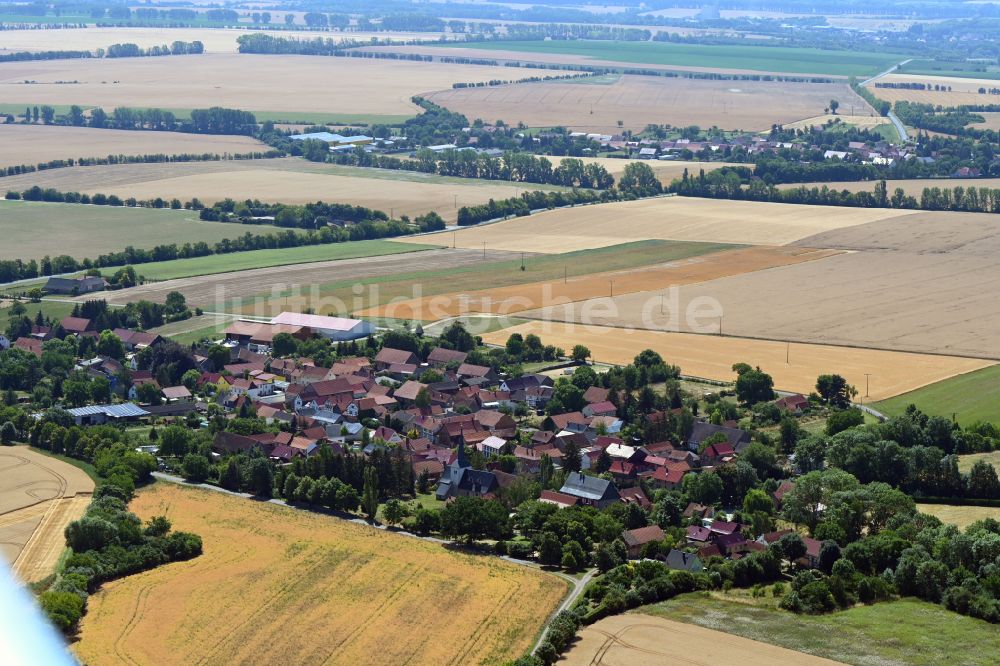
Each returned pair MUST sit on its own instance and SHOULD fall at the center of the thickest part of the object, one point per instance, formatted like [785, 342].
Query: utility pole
[456, 202]
[522, 261]
[484, 249]
[454, 239]
[720, 324]
[788, 349]
[867, 375]
[612, 288]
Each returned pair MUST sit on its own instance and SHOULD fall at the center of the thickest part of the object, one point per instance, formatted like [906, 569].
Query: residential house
[681, 561]
[484, 374]
[738, 439]
[635, 540]
[779, 493]
[590, 490]
[604, 408]
[79, 285]
[460, 480]
[77, 325]
[388, 356]
[441, 357]
[561, 500]
[795, 403]
[177, 394]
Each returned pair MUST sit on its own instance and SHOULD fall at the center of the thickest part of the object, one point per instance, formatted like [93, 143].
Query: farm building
[79, 285]
[334, 328]
[259, 336]
[99, 414]
[334, 139]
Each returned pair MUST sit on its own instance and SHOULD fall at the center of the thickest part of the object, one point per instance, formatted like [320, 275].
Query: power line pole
[867, 376]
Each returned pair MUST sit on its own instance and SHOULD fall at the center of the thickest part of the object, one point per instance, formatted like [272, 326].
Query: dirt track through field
[39, 497]
[668, 218]
[712, 357]
[635, 639]
[519, 298]
[216, 292]
[638, 101]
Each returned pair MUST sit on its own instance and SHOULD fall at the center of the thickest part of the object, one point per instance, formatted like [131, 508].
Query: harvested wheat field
[286, 180]
[665, 170]
[640, 100]
[301, 84]
[712, 356]
[668, 218]
[963, 91]
[861, 121]
[914, 186]
[923, 283]
[279, 585]
[635, 639]
[216, 40]
[992, 121]
[554, 294]
[39, 496]
[32, 144]
[296, 287]
[963, 516]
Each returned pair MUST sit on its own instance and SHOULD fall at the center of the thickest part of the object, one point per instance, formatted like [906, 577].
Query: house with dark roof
[636, 539]
[524, 382]
[230, 442]
[681, 561]
[460, 480]
[795, 403]
[77, 325]
[79, 285]
[698, 535]
[738, 439]
[590, 490]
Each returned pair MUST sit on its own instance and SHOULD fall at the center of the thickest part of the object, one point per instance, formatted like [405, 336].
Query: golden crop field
[667, 218]
[556, 293]
[296, 84]
[39, 497]
[32, 144]
[279, 585]
[963, 516]
[286, 180]
[963, 90]
[712, 357]
[635, 639]
[862, 121]
[640, 100]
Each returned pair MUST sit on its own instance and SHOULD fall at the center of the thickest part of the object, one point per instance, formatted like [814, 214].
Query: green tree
[639, 179]
[284, 344]
[580, 353]
[7, 433]
[195, 467]
[369, 493]
[835, 391]
[753, 386]
[394, 511]
[109, 344]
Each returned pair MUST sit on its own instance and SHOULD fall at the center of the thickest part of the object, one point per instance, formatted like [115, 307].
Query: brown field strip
[667, 218]
[637, 101]
[287, 586]
[274, 83]
[41, 553]
[635, 639]
[963, 90]
[31, 144]
[712, 357]
[518, 298]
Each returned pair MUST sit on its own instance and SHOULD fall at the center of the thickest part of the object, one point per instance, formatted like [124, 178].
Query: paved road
[900, 127]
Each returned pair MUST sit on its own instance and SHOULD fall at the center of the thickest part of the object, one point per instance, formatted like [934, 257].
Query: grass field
[637, 101]
[355, 86]
[712, 356]
[963, 516]
[290, 586]
[241, 261]
[49, 309]
[287, 180]
[668, 218]
[900, 632]
[31, 230]
[33, 144]
[719, 57]
[969, 398]
[965, 462]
